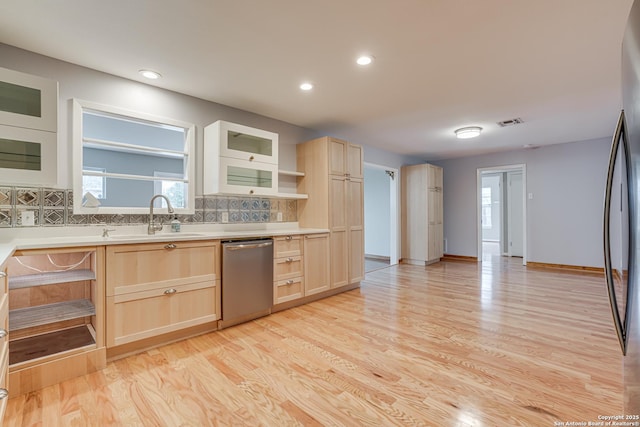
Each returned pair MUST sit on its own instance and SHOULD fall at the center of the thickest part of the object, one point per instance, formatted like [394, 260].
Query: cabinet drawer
[136, 268]
[287, 290]
[287, 246]
[145, 314]
[287, 268]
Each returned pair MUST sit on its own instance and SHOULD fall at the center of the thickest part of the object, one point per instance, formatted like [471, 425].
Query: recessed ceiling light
[364, 60]
[306, 86]
[153, 75]
[468, 132]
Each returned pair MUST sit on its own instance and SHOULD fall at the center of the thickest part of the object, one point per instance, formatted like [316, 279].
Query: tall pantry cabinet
[422, 228]
[334, 180]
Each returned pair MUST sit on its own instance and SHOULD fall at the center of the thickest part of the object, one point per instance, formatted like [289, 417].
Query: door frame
[394, 213]
[510, 212]
[506, 168]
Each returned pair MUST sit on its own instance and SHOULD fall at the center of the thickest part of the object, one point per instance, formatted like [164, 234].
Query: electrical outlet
[279, 216]
[27, 218]
[225, 217]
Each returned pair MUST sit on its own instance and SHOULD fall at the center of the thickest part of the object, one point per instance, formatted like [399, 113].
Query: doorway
[501, 213]
[381, 227]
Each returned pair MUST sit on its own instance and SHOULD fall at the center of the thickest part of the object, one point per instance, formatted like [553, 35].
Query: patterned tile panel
[53, 198]
[27, 197]
[53, 216]
[6, 196]
[6, 216]
[54, 207]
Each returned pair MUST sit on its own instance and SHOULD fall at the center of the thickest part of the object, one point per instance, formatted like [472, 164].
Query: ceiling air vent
[511, 122]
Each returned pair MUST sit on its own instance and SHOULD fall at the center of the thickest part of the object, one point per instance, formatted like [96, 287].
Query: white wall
[564, 218]
[377, 212]
[380, 157]
[90, 85]
[84, 83]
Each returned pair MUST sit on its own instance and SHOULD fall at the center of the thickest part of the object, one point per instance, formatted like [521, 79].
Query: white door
[515, 213]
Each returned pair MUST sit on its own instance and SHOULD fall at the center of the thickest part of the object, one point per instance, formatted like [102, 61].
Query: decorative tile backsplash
[52, 207]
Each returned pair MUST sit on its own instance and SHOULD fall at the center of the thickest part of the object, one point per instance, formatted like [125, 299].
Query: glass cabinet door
[244, 177]
[28, 101]
[27, 156]
[247, 143]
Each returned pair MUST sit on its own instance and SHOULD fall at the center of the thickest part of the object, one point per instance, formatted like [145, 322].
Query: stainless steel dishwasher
[247, 280]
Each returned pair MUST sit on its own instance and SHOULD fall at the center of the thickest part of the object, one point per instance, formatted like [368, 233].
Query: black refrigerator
[622, 217]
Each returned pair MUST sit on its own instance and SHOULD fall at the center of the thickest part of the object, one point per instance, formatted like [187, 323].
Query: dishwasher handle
[248, 246]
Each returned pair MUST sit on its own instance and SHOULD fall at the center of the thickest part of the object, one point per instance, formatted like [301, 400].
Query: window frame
[78, 108]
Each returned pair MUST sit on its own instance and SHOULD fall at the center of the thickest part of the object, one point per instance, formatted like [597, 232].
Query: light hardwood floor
[451, 344]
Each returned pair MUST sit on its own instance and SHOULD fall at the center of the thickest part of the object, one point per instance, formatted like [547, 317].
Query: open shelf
[39, 315]
[290, 196]
[290, 173]
[50, 278]
[30, 348]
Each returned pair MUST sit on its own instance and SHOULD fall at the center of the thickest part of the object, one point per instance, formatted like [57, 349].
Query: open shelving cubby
[52, 303]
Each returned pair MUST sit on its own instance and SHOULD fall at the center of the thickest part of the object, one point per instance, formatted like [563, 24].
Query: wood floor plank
[452, 343]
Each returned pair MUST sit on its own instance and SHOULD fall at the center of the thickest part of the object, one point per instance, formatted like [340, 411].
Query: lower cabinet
[157, 288]
[288, 274]
[301, 266]
[4, 341]
[56, 317]
[316, 263]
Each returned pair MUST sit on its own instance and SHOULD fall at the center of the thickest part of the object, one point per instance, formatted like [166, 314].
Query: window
[486, 207]
[119, 156]
[173, 188]
[94, 184]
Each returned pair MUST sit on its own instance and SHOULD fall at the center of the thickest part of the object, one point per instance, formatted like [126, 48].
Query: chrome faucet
[153, 227]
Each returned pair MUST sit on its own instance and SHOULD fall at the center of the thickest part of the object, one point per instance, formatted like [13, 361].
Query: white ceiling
[439, 64]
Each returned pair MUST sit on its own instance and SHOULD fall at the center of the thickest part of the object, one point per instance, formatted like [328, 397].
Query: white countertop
[54, 237]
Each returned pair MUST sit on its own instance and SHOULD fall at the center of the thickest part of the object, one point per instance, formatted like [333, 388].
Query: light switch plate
[225, 217]
[279, 216]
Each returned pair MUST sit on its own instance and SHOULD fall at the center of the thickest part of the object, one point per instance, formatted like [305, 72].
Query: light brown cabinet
[157, 288]
[316, 263]
[333, 180]
[56, 318]
[288, 269]
[422, 214]
[4, 341]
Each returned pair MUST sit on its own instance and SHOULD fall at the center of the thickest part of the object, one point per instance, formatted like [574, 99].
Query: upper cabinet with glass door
[240, 160]
[28, 125]
[28, 101]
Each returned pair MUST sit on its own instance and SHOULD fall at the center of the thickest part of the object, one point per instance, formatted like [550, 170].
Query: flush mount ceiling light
[150, 74]
[364, 60]
[468, 132]
[306, 86]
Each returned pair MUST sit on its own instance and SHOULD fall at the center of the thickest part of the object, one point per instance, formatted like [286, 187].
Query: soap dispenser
[175, 224]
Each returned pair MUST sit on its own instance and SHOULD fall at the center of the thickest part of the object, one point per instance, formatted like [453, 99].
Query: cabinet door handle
[3, 333]
[288, 238]
[170, 291]
[289, 260]
[3, 393]
[170, 246]
[290, 282]
[251, 158]
[250, 191]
